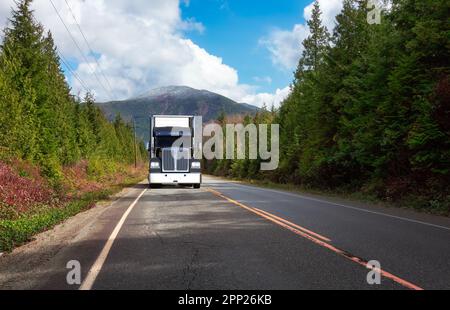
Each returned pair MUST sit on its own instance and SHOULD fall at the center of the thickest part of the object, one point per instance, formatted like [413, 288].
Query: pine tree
[85, 137]
[40, 120]
[316, 45]
[61, 102]
[416, 86]
[305, 115]
[19, 65]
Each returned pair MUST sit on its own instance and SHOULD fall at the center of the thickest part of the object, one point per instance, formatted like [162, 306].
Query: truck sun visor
[172, 132]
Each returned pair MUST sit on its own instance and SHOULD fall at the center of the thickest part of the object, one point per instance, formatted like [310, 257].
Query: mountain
[174, 100]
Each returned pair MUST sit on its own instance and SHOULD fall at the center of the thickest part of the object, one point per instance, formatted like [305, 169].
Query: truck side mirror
[147, 146]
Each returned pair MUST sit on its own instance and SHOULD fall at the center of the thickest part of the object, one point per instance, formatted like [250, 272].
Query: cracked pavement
[183, 239]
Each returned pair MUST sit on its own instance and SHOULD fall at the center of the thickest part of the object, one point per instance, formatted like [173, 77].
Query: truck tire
[196, 186]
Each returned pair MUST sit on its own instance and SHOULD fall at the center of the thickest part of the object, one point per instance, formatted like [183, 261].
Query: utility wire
[74, 74]
[88, 45]
[68, 66]
[79, 49]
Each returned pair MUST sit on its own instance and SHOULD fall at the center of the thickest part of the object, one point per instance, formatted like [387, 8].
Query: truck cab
[175, 149]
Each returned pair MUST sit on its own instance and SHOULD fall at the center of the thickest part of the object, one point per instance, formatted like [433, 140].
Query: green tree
[315, 45]
[40, 119]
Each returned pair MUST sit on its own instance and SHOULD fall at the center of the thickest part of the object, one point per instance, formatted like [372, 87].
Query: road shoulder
[26, 266]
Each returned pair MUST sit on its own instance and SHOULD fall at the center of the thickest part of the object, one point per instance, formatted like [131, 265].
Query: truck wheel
[196, 186]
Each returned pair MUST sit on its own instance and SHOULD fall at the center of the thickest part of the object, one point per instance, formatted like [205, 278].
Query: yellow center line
[273, 218]
[294, 225]
[310, 236]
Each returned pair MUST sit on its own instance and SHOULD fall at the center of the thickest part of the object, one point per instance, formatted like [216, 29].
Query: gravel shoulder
[26, 265]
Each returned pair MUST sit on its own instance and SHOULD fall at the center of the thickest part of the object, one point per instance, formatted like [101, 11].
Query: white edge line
[345, 206]
[98, 264]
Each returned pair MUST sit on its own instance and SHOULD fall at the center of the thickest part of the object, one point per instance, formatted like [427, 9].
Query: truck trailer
[175, 149]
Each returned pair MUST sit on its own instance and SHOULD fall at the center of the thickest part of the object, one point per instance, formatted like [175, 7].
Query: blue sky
[243, 49]
[234, 28]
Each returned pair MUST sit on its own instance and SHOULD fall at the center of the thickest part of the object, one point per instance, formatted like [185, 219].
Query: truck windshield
[167, 142]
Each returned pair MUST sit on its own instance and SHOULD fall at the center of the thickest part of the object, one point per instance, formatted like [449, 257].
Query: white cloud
[285, 46]
[192, 24]
[330, 8]
[268, 99]
[5, 10]
[139, 45]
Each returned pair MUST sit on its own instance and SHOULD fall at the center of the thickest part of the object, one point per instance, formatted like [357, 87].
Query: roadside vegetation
[30, 204]
[58, 153]
[369, 112]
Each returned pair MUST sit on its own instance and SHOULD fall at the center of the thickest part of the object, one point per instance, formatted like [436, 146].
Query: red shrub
[77, 181]
[22, 188]
[23, 192]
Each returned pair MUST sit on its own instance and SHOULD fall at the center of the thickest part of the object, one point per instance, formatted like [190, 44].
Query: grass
[14, 233]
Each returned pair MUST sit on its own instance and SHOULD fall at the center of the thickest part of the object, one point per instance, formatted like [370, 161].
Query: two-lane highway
[233, 236]
[410, 246]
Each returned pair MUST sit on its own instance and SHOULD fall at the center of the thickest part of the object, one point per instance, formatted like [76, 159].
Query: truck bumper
[175, 178]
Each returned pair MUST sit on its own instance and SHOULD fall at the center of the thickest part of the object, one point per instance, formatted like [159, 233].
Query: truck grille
[175, 160]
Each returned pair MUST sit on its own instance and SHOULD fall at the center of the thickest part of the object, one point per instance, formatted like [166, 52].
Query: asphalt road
[233, 236]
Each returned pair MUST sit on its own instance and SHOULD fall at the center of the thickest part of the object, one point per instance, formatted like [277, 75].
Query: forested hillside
[370, 107]
[58, 154]
[174, 100]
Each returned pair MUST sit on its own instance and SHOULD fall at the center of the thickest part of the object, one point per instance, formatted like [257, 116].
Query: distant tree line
[370, 106]
[40, 120]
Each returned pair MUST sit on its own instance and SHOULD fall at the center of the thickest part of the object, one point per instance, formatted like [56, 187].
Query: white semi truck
[175, 149]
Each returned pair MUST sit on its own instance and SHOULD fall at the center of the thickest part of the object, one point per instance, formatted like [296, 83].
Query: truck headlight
[154, 165]
[195, 165]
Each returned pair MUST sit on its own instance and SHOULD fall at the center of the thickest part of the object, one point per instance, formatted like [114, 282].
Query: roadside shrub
[52, 170]
[7, 212]
[19, 194]
[19, 231]
[77, 182]
[30, 205]
[425, 204]
[98, 167]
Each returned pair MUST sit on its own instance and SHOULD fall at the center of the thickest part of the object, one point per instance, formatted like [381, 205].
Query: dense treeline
[369, 109]
[40, 120]
[241, 168]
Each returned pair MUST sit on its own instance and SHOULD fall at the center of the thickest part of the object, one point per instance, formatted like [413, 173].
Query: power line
[79, 49]
[88, 45]
[68, 66]
[74, 74]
